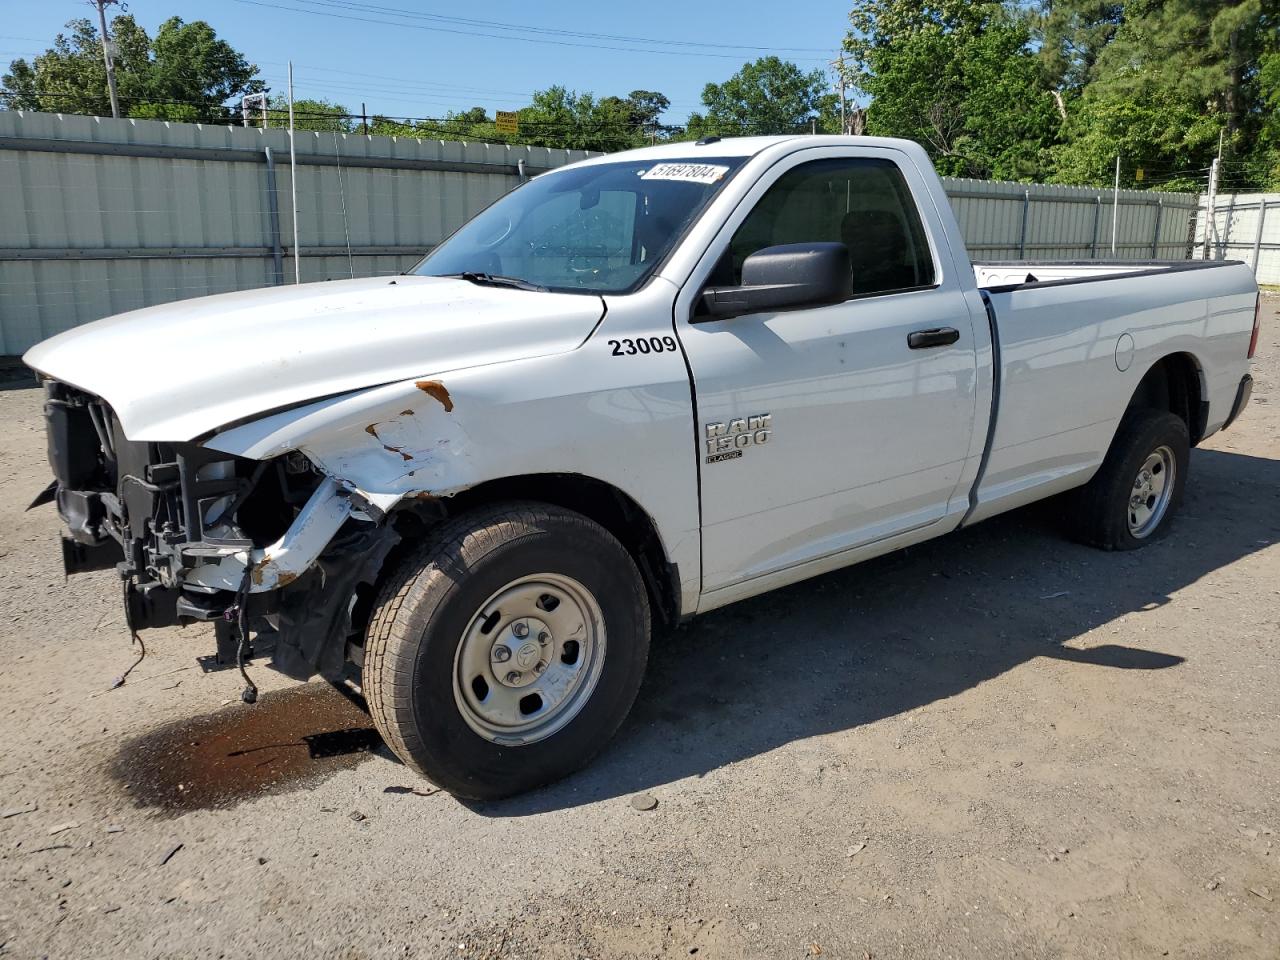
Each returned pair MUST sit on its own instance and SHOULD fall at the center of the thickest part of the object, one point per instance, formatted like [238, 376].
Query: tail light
[1257, 326]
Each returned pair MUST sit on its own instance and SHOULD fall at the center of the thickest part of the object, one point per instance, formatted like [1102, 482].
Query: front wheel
[507, 650]
[1138, 488]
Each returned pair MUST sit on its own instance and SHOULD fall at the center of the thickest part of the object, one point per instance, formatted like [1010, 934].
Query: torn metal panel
[282, 562]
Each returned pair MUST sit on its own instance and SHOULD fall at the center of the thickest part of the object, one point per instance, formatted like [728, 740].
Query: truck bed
[1003, 275]
[1070, 350]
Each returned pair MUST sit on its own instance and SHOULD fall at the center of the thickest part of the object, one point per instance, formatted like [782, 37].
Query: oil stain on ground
[288, 740]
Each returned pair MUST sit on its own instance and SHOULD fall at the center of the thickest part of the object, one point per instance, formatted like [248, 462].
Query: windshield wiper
[490, 280]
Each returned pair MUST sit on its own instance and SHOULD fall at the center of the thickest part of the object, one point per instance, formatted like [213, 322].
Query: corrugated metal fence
[99, 216]
[1245, 226]
[1007, 221]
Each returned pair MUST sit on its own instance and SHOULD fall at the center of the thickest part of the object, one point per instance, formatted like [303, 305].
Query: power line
[530, 28]
[497, 36]
[407, 85]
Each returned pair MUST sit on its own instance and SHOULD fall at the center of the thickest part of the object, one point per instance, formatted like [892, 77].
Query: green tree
[767, 96]
[189, 64]
[184, 73]
[320, 116]
[1205, 52]
[472, 124]
[559, 117]
[646, 106]
[1071, 36]
[1172, 76]
[960, 78]
[639, 110]
[1264, 160]
[1169, 141]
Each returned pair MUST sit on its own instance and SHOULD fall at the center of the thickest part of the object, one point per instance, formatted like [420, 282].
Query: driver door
[841, 433]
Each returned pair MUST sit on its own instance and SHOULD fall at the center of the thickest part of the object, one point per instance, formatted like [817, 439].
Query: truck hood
[177, 371]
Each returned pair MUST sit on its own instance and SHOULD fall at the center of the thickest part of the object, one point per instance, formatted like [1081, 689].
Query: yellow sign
[508, 122]
[1140, 174]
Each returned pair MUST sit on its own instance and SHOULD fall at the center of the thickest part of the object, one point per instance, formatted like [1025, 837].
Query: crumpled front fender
[383, 444]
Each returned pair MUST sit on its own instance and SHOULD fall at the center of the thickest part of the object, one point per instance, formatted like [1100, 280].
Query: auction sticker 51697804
[688, 172]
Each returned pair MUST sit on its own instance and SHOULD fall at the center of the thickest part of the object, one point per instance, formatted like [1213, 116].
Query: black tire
[426, 606]
[1099, 512]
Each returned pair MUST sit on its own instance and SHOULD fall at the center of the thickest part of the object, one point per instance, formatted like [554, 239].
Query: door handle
[937, 337]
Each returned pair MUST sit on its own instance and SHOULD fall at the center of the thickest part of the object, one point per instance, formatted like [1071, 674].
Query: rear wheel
[507, 650]
[1138, 488]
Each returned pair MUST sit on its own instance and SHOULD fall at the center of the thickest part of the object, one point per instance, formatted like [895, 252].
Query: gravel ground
[998, 744]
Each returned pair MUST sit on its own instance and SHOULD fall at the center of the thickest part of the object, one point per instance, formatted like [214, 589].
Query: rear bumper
[1243, 393]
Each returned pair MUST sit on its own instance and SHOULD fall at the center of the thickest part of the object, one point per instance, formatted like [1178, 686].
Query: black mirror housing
[784, 277]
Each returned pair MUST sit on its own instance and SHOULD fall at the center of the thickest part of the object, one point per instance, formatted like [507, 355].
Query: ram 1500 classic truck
[630, 391]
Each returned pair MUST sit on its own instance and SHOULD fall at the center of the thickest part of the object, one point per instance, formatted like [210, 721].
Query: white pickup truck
[630, 391]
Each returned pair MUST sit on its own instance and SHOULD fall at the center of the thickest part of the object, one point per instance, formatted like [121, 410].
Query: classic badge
[727, 441]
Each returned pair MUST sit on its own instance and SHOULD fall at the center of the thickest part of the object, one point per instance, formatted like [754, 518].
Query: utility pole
[842, 87]
[293, 187]
[364, 120]
[106, 53]
[1115, 207]
[1211, 207]
[844, 123]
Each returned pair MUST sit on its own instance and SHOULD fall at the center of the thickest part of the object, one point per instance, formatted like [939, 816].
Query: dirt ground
[999, 744]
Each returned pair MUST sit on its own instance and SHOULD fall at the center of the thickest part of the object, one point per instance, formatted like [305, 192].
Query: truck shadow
[873, 641]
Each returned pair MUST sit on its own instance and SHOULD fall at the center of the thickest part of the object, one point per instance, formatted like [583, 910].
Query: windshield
[602, 228]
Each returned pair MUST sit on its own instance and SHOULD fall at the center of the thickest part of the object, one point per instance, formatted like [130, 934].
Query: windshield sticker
[688, 172]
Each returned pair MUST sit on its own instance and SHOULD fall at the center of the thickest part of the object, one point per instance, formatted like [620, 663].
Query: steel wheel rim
[1151, 492]
[529, 659]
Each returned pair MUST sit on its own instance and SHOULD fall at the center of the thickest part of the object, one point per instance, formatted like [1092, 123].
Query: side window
[862, 202]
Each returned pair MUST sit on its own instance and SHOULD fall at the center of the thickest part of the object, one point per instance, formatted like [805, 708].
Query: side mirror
[785, 277]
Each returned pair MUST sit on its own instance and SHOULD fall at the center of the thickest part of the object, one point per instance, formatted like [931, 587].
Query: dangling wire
[250, 692]
[128, 620]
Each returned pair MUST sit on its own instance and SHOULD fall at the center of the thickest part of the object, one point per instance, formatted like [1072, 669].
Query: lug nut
[542, 665]
[501, 653]
[513, 677]
[520, 629]
[543, 637]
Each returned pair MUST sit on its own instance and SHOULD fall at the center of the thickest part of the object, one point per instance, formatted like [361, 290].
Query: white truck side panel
[1072, 356]
[870, 440]
[839, 383]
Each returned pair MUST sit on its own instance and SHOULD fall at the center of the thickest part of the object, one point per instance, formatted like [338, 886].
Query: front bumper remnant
[275, 547]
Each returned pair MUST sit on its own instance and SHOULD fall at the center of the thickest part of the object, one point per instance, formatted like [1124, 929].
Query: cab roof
[735, 147]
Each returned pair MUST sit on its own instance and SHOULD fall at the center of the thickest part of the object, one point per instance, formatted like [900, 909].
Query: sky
[394, 57]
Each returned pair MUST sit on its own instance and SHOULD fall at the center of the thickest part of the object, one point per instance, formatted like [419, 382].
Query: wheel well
[1173, 384]
[601, 502]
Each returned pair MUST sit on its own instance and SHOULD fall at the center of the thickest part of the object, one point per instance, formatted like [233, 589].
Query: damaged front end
[272, 547]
